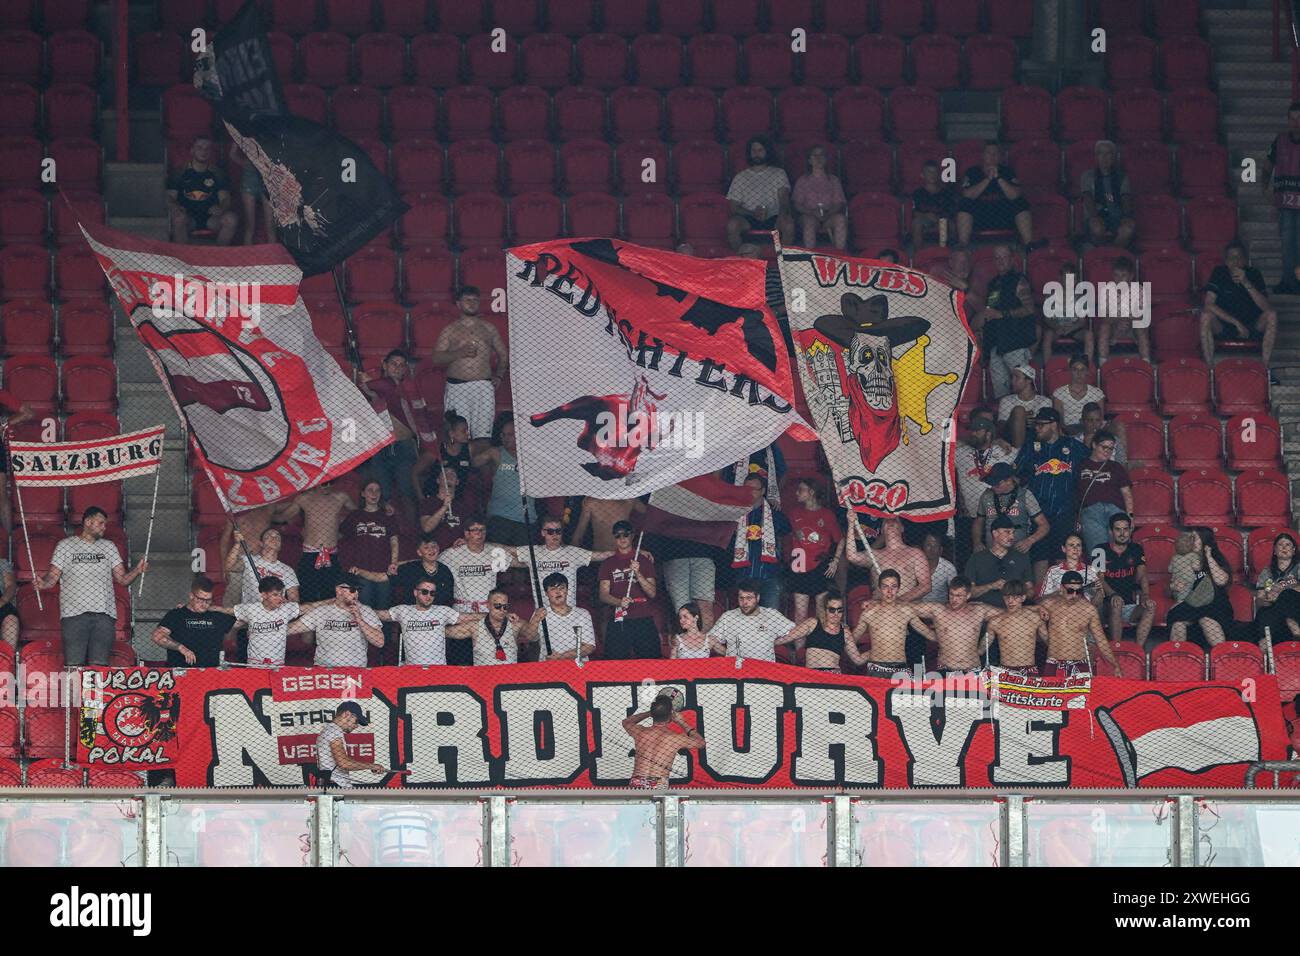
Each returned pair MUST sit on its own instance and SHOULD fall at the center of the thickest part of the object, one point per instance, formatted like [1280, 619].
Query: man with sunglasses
[631, 632]
[568, 628]
[194, 633]
[495, 636]
[1070, 619]
[342, 627]
[423, 639]
[554, 556]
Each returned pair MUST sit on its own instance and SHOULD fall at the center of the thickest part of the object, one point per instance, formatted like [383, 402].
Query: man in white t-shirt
[553, 555]
[474, 566]
[760, 196]
[567, 629]
[88, 564]
[495, 637]
[974, 459]
[749, 630]
[332, 758]
[268, 621]
[1017, 409]
[343, 627]
[424, 625]
[267, 559]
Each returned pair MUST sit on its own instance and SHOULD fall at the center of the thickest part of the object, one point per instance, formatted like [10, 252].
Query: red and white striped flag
[704, 510]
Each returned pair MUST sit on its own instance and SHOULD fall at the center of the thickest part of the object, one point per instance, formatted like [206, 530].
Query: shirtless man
[600, 515]
[1017, 631]
[466, 347]
[321, 509]
[657, 746]
[253, 523]
[958, 625]
[886, 620]
[1070, 619]
[908, 563]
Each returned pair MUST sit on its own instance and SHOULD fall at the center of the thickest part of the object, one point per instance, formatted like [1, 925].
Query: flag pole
[537, 583]
[861, 536]
[153, 509]
[27, 541]
[636, 554]
[354, 354]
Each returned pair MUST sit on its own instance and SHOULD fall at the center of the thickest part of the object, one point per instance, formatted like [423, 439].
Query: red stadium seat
[657, 61]
[585, 166]
[186, 114]
[83, 426]
[1177, 661]
[1169, 270]
[118, 779]
[874, 220]
[73, 56]
[547, 61]
[1147, 166]
[1131, 62]
[35, 378]
[1045, 264]
[428, 222]
[293, 16]
[635, 112]
[713, 61]
[408, 17]
[284, 54]
[1204, 497]
[412, 114]
[1119, 16]
[10, 773]
[106, 495]
[523, 112]
[571, 18]
[1193, 115]
[381, 60]
[28, 328]
[474, 165]
[1081, 113]
[1129, 384]
[579, 114]
[1240, 386]
[1159, 220]
[20, 109]
[991, 62]
[692, 114]
[912, 157]
[485, 268]
[936, 61]
[435, 61]
[1139, 115]
[1203, 170]
[859, 113]
[1184, 62]
[529, 166]
[20, 56]
[1184, 386]
[649, 219]
[468, 112]
[381, 327]
[914, 113]
[592, 214]
[866, 166]
[827, 62]
[428, 274]
[348, 17]
[905, 18]
[1254, 441]
[1175, 330]
[699, 166]
[42, 505]
[880, 61]
[1286, 663]
[642, 166]
[308, 101]
[326, 58]
[487, 65]
[47, 737]
[1211, 223]
[89, 384]
[1176, 17]
[1195, 441]
[746, 111]
[786, 15]
[82, 206]
[682, 17]
[358, 111]
[1157, 543]
[24, 217]
[1153, 496]
[328, 327]
[1026, 113]
[704, 223]
[536, 217]
[1037, 164]
[849, 17]
[17, 15]
[1144, 439]
[958, 17]
[802, 112]
[602, 61]
[736, 17]
[418, 165]
[78, 161]
[1263, 497]
[1236, 661]
[371, 273]
[1132, 661]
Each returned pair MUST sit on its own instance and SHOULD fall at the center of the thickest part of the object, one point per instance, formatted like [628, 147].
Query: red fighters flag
[645, 367]
[269, 411]
[884, 352]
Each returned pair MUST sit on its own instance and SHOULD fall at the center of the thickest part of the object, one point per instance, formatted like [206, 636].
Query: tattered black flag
[238, 70]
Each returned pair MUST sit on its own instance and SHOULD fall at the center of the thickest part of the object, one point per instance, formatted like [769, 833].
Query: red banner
[764, 725]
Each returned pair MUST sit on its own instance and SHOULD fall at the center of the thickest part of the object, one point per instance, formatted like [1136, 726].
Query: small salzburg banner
[764, 725]
[86, 462]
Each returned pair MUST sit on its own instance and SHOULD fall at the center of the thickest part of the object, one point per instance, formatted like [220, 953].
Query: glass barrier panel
[80, 833]
[582, 834]
[754, 834]
[1247, 834]
[932, 834]
[1099, 833]
[408, 834]
[215, 833]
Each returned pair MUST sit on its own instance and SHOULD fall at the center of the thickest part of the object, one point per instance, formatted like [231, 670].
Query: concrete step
[170, 526]
[135, 189]
[133, 363]
[150, 227]
[1217, 16]
[1244, 47]
[141, 405]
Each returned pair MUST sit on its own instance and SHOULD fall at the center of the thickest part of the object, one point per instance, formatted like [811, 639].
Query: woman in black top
[828, 636]
[1209, 606]
[453, 453]
[1277, 602]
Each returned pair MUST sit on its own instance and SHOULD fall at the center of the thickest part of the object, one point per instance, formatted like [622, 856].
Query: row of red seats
[64, 109]
[83, 383]
[29, 271]
[34, 842]
[1184, 661]
[606, 61]
[68, 56]
[78, 163]
[1166, 18]
[85, 328]
[29, 216]
[1205, 497]
[629, 18]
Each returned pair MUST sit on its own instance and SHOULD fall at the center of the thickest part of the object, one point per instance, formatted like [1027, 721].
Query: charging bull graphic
[616, 428]
[869, 335]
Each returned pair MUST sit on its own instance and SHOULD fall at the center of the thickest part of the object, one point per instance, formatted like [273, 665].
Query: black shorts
[998, 215]
[636, 638]
[812, 582]
[6, 610]
[760, 225]
[1229, 333]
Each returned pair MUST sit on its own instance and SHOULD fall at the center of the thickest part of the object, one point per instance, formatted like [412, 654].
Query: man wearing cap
[1004, 497]
[1049, 466]
[1070, 619]
[1017, 409]
[332, 758]
[974, 458]
[1007, 321]
[631, 631]
[342, 628]
[992, 568]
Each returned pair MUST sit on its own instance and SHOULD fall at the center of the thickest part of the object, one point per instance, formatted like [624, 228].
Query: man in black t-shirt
[193, 634]
[933, 203]
[1236, 305]
[198, 197]
[991, 199]
[1126, 593]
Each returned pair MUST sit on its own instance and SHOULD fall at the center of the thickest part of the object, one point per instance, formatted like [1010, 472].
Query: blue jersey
[1051, 471]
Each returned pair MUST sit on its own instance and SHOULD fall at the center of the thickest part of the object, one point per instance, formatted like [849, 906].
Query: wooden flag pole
[153, 510]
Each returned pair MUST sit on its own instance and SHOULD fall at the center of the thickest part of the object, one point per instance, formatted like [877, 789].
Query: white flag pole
[636, 554]
[153, 509]
[27, 540]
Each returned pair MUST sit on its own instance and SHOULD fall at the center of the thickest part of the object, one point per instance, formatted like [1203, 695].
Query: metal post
[323, 849]
[669, 850]
[121, 83]
[497, 825]
[1185, 834]
[153, 851]
[841, 831]
[1014, 847]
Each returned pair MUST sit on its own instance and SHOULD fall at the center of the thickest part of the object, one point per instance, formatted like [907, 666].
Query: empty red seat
[523, 112]
[1144, 439]
[736, 17]
[23, 216]
[874, 220]
[1129, 384]
[479, 219]
[20, 56]
[381, 60]
[859, 113]
[849, 17]
[83, 426]
[516, 17]
[77, 274]
[358, 111]
[1159, 220]
[1286, 664]
[1169, 270]
[186, 114]
[1139, 115]
[571, 17]
[1193, 115]
[703, 218]
[10, 773]
[1157, 541]
[20, 109]
[1153, 496]
[990, 62]
[936, 61]
[412, 113]
[89, 384]
[827, 62]
[1026, 113]
[78, 161]
[579, 113]
[1263, 497]
[293, 16]
[657, 61]
[468, 112]
[649, 219]
[1240, 386]
[1203, 171]
[1254, 441]
[802, 112]
[546, 60]
[371, 273]
[692, 114]
[635, 112]
[1081, 113]
[592, 214]
[487, 65]
[914, 112]
[1176, 17]
[536, 217]
[428, 220]
[866, 166]
[1204, 497]
[1234, 660]
[1184, 62]
[418, 165]
[586, 166]
[1184, 386]
[746, 111]
[713, 61]
[436, 61]
[50, 772]
[1131, 657]
[1177, 661]
[1037, 164]
[1147, 166]
[484, 267]
[25, 272]
[308, 101]
[1175, 331]
[114, 779]
[1195, 442]
[326, 58]
[602, 61]
[1130, 62]
[408, 17]
[42, 505]
[428, 274]
[904, 18]
[880, 60]
[474, 165]
[642, 166]
[28, 328]
[72, 56]
[528, 165]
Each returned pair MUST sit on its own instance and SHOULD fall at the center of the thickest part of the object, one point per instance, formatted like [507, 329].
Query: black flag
[238, 71]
